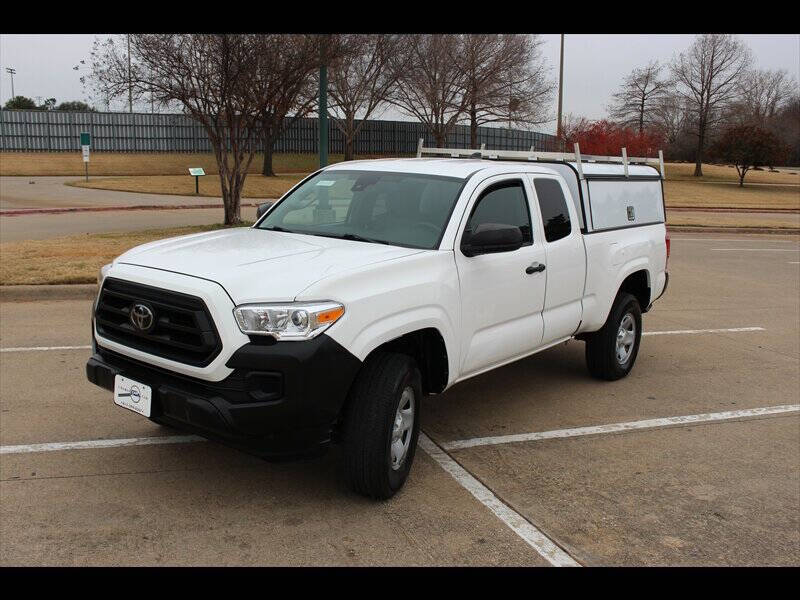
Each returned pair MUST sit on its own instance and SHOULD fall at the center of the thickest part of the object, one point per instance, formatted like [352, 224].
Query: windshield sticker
[326, 183]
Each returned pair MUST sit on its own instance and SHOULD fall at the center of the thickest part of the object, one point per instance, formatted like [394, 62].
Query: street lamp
[11, 72]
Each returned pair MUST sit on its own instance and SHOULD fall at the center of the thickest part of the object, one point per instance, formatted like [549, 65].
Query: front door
[502, 294]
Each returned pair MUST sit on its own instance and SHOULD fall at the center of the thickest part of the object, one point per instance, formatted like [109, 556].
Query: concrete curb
[17, 212]
[705, 229]
[38, 293]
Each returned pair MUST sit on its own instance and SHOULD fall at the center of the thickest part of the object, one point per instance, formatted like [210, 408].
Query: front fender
[392, 298]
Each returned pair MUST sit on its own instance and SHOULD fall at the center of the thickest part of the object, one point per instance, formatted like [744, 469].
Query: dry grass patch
[143, 163]
[684, 171]
[75, 259]
[255, 186]
[723, 195]
[776, 221]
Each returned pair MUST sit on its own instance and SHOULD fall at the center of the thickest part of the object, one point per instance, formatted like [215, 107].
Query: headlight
[291, 321]
[102, 274]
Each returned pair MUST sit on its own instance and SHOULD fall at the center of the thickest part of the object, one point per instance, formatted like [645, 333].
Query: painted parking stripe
[518, 524]
[620, 427]
[688, 331]
[741, 240]
[755, 250]
[43, 348]
[732, 329]
[114, 443]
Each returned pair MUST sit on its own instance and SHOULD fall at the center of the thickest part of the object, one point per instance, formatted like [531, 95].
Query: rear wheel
[611, 351]
[382, 425]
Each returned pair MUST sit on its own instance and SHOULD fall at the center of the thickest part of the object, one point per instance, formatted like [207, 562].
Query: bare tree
[432, 88]
[283, 85]
[209, 76]
[636, 101]
[708, 77]
[362, 79]
[763, 93]
[671, 115]
[505, 80]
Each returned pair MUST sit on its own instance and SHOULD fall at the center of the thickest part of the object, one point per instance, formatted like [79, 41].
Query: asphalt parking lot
[694, 459]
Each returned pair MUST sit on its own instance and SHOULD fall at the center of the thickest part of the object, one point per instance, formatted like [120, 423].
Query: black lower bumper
[281, 399]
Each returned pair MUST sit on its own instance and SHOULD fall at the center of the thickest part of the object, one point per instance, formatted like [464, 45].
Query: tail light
[666, 240]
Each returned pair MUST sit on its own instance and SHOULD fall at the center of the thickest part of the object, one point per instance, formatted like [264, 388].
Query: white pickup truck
[372, 283]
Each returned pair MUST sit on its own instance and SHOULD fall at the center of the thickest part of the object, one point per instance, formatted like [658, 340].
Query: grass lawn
[75, 259]
[684, 171]
[724, 195]
[142, 163]
[255, 186]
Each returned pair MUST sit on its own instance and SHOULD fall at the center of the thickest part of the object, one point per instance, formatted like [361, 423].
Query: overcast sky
[594, 65]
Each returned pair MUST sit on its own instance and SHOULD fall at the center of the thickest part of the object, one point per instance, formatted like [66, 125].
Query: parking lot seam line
[619, 427]
[768, 241]
[682, 331]
[43, 348]
[755, 250]
[537, 540]
[114, 443]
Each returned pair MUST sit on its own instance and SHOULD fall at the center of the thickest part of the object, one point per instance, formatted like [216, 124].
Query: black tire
[601, 346]
[369, 422]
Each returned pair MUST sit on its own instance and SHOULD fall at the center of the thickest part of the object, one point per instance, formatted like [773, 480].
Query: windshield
[400, 209]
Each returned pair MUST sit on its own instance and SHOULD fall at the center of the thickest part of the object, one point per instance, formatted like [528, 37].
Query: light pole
[560, 87]
[323, 104]
[130, 83]
[11, 72]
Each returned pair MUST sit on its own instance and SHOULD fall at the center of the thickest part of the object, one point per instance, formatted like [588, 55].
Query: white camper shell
[609, 192]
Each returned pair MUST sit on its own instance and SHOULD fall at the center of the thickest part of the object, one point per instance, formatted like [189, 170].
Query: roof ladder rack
[531, 155]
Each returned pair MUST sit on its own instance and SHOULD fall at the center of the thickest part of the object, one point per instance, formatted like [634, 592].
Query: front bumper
[282, 398]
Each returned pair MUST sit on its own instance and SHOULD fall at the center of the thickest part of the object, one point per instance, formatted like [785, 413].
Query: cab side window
[553, 207]
[505, 204]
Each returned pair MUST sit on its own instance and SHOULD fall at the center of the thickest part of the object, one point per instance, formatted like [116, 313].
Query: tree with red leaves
[605, 138]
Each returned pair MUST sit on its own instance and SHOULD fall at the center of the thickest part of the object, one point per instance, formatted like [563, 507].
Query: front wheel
[611, 351]
[382, 425]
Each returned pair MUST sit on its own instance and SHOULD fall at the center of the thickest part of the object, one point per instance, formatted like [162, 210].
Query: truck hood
[256, 265]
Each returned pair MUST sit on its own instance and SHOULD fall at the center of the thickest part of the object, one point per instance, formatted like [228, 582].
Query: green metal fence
[57, 131]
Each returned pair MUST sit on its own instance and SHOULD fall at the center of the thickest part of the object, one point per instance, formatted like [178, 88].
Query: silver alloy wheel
[403, 425]
[626, 336]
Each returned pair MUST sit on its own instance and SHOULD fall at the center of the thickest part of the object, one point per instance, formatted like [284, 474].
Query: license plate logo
[132, 395]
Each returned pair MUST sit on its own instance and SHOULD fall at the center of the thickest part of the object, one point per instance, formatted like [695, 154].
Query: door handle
[535, 268]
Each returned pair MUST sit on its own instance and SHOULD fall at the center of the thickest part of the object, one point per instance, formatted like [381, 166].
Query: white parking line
[682, 331]
[43, 348]
[755, 250]
[619, 427]
[733, 329]
[518, 524]
[114, 443]
[686, 239]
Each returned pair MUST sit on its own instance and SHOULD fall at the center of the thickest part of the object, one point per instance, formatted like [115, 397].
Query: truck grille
[171, 325]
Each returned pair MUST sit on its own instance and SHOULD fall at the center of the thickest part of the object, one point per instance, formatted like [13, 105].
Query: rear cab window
[553, 208]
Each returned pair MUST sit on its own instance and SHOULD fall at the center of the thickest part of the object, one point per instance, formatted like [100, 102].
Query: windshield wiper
[360, 238]
[275, 228]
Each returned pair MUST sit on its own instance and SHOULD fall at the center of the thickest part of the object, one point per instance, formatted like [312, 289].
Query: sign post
[197, 172]
[86, 141]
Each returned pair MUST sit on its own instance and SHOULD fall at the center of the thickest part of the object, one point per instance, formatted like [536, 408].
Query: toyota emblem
[142, 317]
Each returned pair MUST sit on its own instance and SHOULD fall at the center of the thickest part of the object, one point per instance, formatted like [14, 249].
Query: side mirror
[489, 238]
[262, 208]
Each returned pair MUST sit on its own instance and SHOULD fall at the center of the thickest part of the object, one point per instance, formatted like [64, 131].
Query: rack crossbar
[532, 156]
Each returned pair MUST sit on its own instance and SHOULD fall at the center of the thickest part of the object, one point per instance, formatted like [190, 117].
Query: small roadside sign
[197, 172]
[86, 141]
